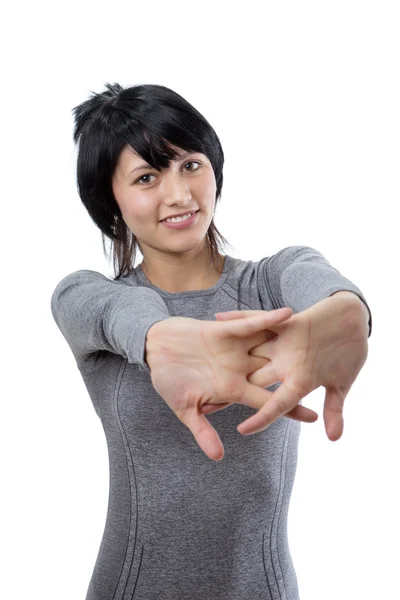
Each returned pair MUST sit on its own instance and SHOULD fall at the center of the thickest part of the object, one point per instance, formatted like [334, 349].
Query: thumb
[333, 412]
[203, 432]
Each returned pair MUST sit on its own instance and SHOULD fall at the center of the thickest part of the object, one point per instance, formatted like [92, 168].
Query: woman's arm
[299, 277]
[95, 313]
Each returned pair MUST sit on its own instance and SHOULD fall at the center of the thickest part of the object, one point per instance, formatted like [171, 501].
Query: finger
[248, 326]
[255, 363]
[207, 409]
[254, 396]
[333, 412]
[254, 399]
[266, 348]
[267, 376]
[303, 414]
[280, 402]
[254, 343]
[264, 376]
[241, 314]
[271, 330]
[299, 413]
[203, 432]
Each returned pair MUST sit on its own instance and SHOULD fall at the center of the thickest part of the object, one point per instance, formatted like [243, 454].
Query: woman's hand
[323, 345]
[194, 362]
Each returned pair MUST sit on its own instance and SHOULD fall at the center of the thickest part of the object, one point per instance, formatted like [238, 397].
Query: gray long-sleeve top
[180, 526]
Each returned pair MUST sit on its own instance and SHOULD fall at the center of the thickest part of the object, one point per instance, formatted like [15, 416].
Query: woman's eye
[192, 162]
[150, 175]
[147, 175]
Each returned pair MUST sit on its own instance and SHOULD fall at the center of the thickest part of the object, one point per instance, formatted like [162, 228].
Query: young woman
[155, 361]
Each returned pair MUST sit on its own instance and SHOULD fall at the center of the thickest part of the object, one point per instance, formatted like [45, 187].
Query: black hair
[148, 118]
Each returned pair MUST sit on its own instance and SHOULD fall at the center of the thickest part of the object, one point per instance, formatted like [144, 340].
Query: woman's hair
[148, 118]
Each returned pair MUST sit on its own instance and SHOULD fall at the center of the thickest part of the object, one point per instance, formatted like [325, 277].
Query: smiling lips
[181, 215]
[184, 223]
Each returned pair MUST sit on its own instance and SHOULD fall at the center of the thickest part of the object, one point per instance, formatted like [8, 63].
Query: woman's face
[147, 196]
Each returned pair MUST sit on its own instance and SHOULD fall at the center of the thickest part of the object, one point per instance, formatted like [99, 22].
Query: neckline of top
[228, 262]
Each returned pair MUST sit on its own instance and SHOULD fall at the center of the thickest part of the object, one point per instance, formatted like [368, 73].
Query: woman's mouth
[182, 223]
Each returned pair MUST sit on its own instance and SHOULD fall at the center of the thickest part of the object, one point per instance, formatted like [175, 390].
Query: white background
[305, 99]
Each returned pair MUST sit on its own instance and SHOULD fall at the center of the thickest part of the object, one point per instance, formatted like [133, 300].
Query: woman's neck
[193, 275]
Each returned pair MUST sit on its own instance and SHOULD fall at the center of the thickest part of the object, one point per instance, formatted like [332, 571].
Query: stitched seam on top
[265, 570]
[241, 301]
[126, 445]
[137, 515]
[283, 470]
[278, 503]
[226, 283]
[235, 298]
[137, 578]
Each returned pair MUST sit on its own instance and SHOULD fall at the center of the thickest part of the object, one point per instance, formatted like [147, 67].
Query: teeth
[177, 219]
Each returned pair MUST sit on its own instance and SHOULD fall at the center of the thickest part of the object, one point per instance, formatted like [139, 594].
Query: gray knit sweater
[180, 526]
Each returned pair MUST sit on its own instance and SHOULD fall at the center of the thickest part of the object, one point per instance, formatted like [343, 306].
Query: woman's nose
[174, 186]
